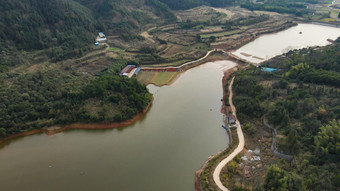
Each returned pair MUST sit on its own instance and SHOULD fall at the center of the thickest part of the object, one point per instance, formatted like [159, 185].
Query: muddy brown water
[297, 37]
[161, 151]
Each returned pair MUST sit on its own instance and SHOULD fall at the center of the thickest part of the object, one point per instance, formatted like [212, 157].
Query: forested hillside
[40, 88]
[124, 16]
[55, 97]
[67, 28]
[301, 100]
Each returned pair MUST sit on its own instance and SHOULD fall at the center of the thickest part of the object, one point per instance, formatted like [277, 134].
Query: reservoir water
[161, 151]
[297, 37]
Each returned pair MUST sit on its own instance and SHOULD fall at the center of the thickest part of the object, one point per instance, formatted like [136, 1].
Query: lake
[161, 151]
[297, 37]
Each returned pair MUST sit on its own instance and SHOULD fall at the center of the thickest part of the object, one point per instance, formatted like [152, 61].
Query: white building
[101, 37]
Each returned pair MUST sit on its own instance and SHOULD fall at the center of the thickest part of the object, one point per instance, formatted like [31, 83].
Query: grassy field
[163, 78]
[202, 46]
[335, 13]
[115, 49]
[157, 78]
[145, 77]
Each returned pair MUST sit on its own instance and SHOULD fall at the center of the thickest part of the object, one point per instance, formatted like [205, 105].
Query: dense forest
[50, 97]
[301, 100]
[67, 28]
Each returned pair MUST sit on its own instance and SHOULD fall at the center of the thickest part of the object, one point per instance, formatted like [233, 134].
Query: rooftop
[101, 34]
[127, 69]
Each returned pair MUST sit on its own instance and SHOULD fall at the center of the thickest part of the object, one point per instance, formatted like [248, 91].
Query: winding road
[183, 65]
[239, 148]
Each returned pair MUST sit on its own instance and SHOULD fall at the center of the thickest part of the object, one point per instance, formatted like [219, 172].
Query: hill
[67, 28]
[38, 90]
[39, 24]
[301, 101]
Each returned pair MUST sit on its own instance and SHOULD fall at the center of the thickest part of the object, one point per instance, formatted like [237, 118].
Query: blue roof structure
[137, 70]
[265, 69]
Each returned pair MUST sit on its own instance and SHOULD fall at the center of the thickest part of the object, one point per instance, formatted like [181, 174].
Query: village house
[231, 120]
[101, 37]
[129, 71]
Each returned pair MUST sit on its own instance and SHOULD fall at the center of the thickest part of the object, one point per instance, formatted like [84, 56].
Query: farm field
[145, 77]
[163, 78]
[156, 78]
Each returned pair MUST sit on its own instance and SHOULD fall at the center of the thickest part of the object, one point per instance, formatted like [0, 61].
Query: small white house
[101, 37]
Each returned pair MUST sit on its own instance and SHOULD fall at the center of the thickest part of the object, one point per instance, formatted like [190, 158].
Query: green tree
[212, 39]
[292, 140]
[2, 132]
[118, 117]
[279, 180]
[327, 141]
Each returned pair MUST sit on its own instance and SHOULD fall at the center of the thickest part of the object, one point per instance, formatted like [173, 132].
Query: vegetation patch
[46, 98]
[145, 77]
[116, 49]
[163, 78]
[301, 102]
[219, 34]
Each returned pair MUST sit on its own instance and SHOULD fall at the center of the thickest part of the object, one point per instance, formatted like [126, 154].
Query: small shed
[137, 71]
[231, 119]
[101, 35]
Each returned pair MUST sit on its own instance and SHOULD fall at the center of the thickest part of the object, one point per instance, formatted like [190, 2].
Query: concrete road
[239, 148]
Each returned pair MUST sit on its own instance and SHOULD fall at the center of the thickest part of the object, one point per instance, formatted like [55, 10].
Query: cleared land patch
[145, 77]
[163, 78]
[156, 78]
[115, 49]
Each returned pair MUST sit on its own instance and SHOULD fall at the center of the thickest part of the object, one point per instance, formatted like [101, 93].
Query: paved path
[181, 66]
[239, 148]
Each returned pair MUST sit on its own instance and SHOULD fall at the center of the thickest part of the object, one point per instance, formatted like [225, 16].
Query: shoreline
[173, 79]
[57, 129]
[186, 66]
[255, 36]
[198, 173]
